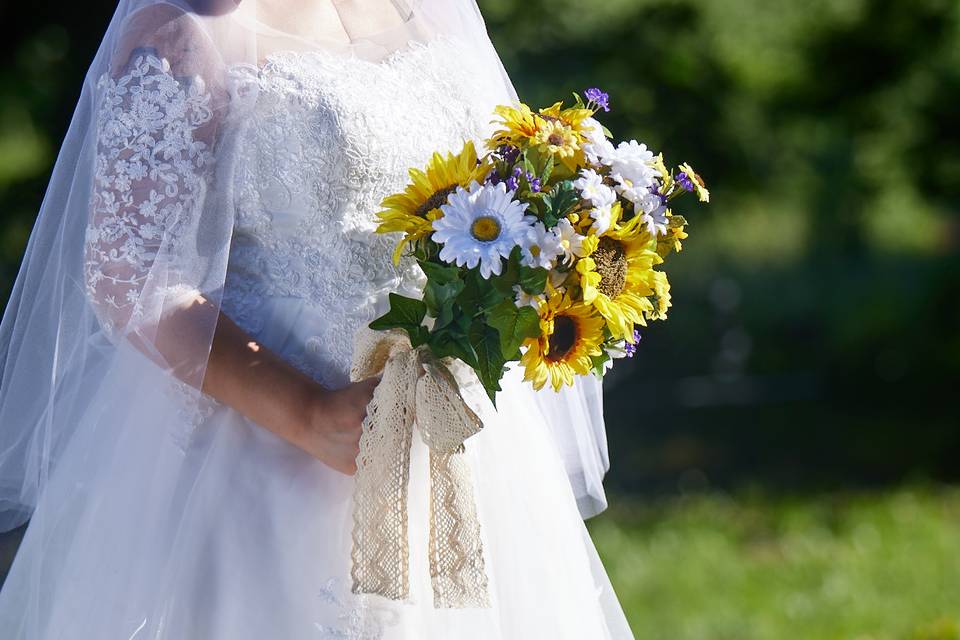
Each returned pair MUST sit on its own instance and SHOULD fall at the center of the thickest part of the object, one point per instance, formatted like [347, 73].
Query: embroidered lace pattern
[148, 182]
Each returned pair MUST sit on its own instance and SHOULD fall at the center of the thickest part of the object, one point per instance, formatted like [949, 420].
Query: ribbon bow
[416, 388]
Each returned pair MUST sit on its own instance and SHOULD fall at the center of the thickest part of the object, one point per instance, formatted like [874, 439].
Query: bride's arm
[158, 116]
[259, 384]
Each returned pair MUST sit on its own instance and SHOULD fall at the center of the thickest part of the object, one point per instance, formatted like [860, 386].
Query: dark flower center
[435, 201]
[556, 139]
[611, 261]
[563, 338]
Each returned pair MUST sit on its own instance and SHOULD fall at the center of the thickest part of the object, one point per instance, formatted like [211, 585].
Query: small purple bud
[535, 185]
[685, 182]
[512, 184]
[598, 97]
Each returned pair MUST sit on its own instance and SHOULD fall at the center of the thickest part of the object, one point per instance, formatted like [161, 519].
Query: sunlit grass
[864, 567]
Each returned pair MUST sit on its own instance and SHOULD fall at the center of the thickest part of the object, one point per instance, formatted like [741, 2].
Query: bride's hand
[333, 426]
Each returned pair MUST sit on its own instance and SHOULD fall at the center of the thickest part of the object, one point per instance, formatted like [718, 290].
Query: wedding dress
[171, 516]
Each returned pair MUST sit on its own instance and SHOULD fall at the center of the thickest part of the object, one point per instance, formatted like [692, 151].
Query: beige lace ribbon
[416, 388]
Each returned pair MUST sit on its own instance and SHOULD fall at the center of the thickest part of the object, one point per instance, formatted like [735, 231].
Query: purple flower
[631, 349]
[598, 97]
[535, 185]
[685, 182]
[512, 183]
[508, 152]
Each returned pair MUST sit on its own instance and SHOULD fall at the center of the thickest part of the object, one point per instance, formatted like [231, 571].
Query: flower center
[611, 261]
[485, 228]
[556, 139]
[563, 338]
[435, 201]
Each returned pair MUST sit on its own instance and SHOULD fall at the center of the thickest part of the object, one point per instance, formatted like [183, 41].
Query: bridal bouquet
[543, 250]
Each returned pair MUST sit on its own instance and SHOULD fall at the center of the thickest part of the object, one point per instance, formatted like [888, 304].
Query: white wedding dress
[250, 538]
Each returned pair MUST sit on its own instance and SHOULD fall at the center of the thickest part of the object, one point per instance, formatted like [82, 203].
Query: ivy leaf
[440, 273]
[418, 335]
[478, 296]
[404, 313]
[514, 326]
[561, 199]
[490, 361]
[453, 344]
[533, 281]
[510, 275]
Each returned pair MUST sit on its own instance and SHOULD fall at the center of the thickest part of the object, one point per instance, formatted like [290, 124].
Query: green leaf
[533, 281]
[490, 360]
[440, 299]
[452, 344]
[440, 273]
[547, 169]
[418, 335]
[561, 199]
[597, 363]
[404, 313]
[514, 326]
[478, 296]
[510, 275]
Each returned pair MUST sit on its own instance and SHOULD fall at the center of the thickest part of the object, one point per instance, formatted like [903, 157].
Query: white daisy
[543, 247]
[570, 240]
[602, 217]
[632, 166]
[597, 146]
[591, 187]
[481, 226]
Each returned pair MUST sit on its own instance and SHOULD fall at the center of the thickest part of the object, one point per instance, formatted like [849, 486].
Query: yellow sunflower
[413, 211]
[572, 333]
[617, 278]
[518, 124]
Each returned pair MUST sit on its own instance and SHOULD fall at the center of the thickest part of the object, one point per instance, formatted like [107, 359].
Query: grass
[854, 566]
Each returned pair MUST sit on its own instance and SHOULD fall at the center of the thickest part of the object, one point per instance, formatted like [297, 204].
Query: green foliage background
[813, 344]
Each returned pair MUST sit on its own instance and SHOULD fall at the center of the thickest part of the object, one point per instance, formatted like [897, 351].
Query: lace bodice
[321, 140]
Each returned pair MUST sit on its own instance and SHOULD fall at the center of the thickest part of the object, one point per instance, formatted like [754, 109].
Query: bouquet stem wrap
[415, 389]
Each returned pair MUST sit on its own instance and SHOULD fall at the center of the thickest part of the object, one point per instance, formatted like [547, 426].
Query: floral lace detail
[322, 139]
[148, 183]
[356, 618]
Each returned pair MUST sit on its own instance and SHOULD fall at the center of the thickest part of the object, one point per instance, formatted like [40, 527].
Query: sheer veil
[105, 339]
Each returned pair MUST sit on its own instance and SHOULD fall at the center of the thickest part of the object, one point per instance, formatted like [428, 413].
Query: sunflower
[413, 211]
[617, 278]
[572, 333]
[519, 124]
[554, 129]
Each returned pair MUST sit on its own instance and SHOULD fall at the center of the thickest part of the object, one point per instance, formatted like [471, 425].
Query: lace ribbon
[415, 388]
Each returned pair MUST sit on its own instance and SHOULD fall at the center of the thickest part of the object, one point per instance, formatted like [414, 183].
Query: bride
[177, 419]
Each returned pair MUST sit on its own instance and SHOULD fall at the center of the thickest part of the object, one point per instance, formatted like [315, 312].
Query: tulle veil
[94, 346]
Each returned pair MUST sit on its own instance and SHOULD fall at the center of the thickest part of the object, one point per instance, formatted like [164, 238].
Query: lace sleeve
[155, 127]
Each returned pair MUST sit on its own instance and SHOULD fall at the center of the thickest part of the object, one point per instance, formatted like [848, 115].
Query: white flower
[543, 247]
[596, 146]
[632, 166]
[570, 240]
[591, 187]
[654, 212]
[631, 189]
[524, 299]
[602, 217]
[481, 226]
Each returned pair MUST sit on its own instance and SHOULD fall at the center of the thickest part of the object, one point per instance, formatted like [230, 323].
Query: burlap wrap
[416, 388]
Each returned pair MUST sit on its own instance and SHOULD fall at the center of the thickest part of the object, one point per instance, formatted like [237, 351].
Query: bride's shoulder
[166, 31]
